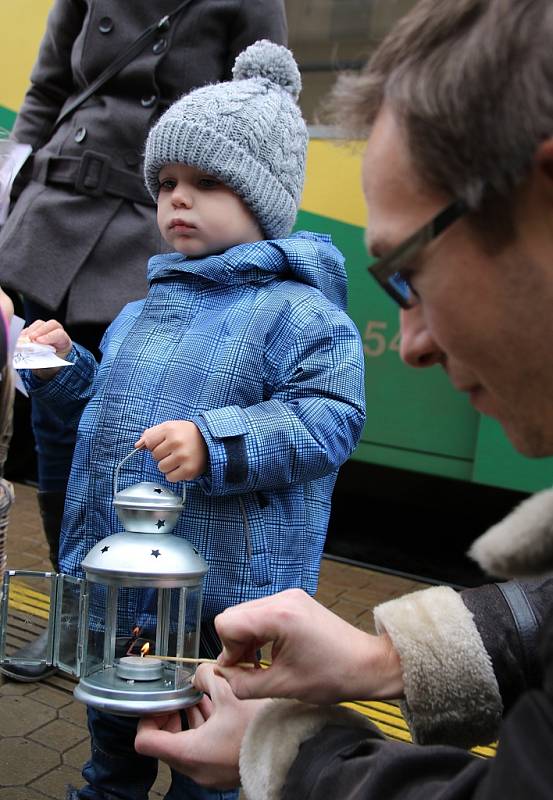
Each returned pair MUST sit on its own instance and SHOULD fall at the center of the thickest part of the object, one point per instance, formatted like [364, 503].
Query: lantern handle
[118, 468]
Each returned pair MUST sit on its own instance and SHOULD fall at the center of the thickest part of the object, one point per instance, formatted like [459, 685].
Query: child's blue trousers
[115, 771]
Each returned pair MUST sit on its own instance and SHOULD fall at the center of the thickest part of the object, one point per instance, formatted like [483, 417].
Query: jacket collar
[520, 545]
[308, 258]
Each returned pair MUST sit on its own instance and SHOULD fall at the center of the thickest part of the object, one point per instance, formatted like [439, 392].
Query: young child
[239, 372]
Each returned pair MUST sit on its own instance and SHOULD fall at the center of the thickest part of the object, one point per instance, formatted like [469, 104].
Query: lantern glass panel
[68, 634]
[27, 617]
[95, 634]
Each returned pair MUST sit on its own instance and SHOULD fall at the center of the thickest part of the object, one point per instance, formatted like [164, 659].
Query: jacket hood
[308, 258]
[520, 545]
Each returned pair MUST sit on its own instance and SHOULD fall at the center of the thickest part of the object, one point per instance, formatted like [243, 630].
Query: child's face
[198, 215]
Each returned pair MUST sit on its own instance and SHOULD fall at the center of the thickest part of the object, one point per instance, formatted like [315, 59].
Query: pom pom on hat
[272, 61]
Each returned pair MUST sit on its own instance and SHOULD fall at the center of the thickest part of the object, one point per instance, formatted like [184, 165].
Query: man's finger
[251, 684]
[150, 741]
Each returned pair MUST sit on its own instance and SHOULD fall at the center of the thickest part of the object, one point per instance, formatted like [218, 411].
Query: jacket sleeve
[52, 74]
[71, 389]
[293, 751]
[466, 657]
[309, 425]
[256, 19]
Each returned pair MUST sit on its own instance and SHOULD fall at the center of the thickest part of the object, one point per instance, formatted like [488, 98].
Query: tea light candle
[137, 668]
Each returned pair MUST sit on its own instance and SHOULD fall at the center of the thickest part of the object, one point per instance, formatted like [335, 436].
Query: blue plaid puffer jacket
[254, 347]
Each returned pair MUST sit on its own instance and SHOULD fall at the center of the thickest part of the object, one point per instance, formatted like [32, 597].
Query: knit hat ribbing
[248, 133]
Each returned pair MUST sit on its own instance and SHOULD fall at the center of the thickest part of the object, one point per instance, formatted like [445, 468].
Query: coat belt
[91, 174]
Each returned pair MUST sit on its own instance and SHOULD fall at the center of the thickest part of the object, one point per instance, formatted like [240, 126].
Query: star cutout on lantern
[105, 549]
[160, 523]
[158, 490]
[156, 553]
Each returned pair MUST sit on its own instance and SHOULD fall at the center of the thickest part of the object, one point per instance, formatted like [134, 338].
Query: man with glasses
[458, 175]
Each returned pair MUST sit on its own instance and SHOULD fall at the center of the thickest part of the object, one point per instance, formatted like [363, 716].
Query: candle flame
[144, 649]
[135, 631]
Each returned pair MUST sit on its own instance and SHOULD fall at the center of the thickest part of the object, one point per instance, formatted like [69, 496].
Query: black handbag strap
[121, 61]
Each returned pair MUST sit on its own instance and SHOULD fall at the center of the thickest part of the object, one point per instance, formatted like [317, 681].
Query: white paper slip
[12, 157]
[30, 355]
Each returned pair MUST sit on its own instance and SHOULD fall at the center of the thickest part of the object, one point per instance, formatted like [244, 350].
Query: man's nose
[417, 348]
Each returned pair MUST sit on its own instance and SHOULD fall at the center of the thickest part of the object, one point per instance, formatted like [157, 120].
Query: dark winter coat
[84, 223]
[476, 666]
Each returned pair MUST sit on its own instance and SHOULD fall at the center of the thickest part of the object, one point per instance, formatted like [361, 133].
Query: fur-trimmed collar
[521, 544]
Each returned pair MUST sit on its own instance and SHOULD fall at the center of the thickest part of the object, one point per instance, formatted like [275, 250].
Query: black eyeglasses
[390, 271]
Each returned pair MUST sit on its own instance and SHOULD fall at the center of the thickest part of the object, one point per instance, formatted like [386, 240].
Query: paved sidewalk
[43, 735]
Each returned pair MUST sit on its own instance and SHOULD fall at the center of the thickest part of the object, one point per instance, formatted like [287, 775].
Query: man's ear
[544, 160]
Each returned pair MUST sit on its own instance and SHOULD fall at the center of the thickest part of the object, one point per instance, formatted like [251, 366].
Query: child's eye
[167, 185]
[208, 183]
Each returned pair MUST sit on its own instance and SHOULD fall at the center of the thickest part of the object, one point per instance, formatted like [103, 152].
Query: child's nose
[182, 196]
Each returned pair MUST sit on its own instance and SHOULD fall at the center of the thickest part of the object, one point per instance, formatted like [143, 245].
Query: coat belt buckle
[93, 173]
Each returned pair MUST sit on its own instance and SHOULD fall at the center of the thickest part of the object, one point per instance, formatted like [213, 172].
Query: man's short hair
[470, 82]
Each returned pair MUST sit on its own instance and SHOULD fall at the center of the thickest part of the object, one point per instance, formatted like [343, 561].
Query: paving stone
[76, 756]
[163, 781]
[348, 611]
[14, 687]
[22, 761]
[59, 735]
[74, 712]
[334, 573]
[24, 561]
[21, 793]
[20, 716]
[55, 782]
[327, 596]
[50, 697]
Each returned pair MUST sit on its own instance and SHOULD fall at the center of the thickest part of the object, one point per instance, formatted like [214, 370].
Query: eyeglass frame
[392, 264]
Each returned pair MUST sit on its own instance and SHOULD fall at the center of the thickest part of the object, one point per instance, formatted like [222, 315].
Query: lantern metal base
[106, 691]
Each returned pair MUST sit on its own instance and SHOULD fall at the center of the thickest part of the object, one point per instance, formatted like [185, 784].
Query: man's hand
[179, 449]
[52, 333]
[208, 752]
[316, 656]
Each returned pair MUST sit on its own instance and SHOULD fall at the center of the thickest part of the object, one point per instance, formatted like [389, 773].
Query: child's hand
[178, 447]
[52, 333]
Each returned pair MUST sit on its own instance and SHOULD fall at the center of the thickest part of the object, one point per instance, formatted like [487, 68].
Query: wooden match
[188, 660]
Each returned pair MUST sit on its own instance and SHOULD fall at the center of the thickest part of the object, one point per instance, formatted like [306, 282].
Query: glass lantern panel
[96, 636]
[27, 617]
[70, 617]
[188, 640]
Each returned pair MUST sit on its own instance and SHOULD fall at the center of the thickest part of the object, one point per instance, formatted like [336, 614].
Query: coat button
[159, 46]
[80, 134]
[105, 25]
[132, 159]
[149, 101]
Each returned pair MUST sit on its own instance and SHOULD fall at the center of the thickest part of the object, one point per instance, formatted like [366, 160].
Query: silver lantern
[74, 624]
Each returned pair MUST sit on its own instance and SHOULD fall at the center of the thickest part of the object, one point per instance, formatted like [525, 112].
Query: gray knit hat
[248, 133]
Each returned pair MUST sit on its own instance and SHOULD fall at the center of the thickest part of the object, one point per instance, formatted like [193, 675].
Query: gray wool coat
[83, 225]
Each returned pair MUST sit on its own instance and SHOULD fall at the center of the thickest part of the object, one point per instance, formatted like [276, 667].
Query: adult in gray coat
[83, 226]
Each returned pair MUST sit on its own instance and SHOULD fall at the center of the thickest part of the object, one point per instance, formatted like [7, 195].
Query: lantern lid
[145, 559]
[148, 495]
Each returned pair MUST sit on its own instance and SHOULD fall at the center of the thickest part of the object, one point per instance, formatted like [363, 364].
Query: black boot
[51, 510]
